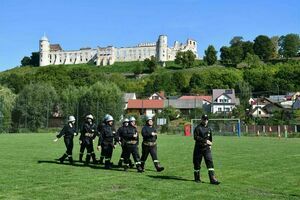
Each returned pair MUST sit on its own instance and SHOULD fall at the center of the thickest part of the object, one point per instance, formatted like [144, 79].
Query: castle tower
[192, 45]
[44, 51]
[162, 48]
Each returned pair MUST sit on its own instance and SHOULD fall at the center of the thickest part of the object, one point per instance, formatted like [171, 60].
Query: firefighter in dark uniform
[203, 143]
[149, 145]
[106, 141]
[68, 132]
[81, 138]
[120, 132]
[131, 141]
[99, 128]
[88, 134]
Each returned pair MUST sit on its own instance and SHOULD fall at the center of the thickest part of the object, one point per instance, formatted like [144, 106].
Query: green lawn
[248, 167]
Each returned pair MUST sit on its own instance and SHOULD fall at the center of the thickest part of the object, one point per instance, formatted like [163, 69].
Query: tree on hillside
[210, 55]
[102, 98]
[236, 40]
[275, 42]
[263, 47]
[225, 56]
[150, 64]
[186, 58]
[7, 102]
[138, 69]
[35, 59]
[289, 45]
[34, 105]
[25, 61]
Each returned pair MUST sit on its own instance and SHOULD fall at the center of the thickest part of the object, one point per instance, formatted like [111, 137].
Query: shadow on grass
[80, 164]
[177, 178]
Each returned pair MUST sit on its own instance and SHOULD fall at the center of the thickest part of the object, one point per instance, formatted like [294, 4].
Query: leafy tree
[236, 40]
[102, 98]
[263, 47]
[225, 56]
[244, 93]
[7, 102]
[289, 45]
[35, 59]
[25, 61]
[275, 42]
[186, 58]
[170, 113]
[150, 64]
[34, 105]
[181, 81]
[210, 55]
[138, 69]
[251, 61]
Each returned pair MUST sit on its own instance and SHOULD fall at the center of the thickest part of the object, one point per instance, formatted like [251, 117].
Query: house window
[227, 109]
[259, 112]
[219, 109]
[153, 111]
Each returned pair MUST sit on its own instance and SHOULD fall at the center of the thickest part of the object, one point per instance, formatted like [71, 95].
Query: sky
[124, 23]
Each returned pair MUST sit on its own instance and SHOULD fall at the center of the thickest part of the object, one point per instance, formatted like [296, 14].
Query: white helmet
[126, 120]
[148, 118]
[71, 118]
[89, 116]
[131, 119]
[109, 118]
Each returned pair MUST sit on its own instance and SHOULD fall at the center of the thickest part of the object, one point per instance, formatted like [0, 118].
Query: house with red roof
[147, 107]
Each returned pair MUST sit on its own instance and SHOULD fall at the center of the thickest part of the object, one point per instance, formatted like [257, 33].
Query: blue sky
[81, 23]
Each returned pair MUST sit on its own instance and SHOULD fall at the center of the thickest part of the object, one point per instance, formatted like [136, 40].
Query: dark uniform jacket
[201, 135]
[88, 131]
[106, 135]
[147, 134]
[127, 135]
[67, 131]
[119, 135]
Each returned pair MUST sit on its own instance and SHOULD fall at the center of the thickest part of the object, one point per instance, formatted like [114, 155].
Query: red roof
[141, 103]
[206, 98]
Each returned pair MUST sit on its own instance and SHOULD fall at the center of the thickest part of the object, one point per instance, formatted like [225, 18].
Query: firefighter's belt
[131, 142]
[89, 134]
[149, 143]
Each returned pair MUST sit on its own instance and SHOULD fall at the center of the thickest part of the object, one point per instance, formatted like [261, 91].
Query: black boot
[61, 159]
[70, 159]
[126, 166]
[139, 168]
[197, 176]
[158, 167]
[212, 178]
[120, 163]
[101, 160]
[143, 165]
[87, 159]
[131, 165]
[80, 157]
[94, 158]
[107, 164]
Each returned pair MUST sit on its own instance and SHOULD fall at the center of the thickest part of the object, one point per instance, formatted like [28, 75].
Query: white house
[224, 101]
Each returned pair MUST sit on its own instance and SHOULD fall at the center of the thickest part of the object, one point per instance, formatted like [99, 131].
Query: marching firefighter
[203, 143]
[88, 134]
[99, 128]
[68, 132]
[106, 141]
[121, 131]
[131, 141]
[149, 144]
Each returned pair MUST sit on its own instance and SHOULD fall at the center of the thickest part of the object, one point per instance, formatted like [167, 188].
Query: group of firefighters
[127, 136]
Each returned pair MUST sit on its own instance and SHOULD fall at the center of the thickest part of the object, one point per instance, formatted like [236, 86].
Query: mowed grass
[248, 167]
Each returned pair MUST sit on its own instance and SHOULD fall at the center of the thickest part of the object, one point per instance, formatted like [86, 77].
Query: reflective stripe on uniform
[210, 169]
[197, 170]
[155, 161]
[138, 163]
[107, 158]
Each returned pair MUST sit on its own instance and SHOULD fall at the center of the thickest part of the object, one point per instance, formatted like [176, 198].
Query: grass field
[248, 167]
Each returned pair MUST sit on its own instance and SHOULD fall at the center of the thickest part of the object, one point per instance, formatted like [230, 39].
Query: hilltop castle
[53, 54]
